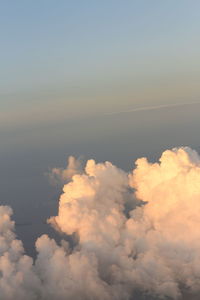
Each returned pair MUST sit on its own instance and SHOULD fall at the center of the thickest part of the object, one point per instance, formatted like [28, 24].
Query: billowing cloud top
[134, 235]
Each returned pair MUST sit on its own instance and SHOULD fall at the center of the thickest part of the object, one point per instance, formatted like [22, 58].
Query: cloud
[17, 277]
[145, 251]
[60, 176]
[155, 107]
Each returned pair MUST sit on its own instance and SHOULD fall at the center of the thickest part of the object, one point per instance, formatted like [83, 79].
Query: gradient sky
[70, 59]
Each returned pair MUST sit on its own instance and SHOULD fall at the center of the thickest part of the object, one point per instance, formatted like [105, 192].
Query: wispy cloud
[148, 108]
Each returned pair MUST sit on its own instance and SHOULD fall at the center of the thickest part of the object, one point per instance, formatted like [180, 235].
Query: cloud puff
[60, 176]
[17, 278]
[135, 236]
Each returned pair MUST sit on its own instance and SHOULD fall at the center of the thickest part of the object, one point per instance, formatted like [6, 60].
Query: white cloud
[154, 249]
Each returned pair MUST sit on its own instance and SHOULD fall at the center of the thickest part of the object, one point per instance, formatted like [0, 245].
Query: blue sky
[65, 59]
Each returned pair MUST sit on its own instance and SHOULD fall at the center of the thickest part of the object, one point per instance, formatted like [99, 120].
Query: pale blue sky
[62, 59]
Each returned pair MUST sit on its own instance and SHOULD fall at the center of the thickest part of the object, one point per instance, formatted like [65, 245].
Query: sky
[109, 80]
[65, 60]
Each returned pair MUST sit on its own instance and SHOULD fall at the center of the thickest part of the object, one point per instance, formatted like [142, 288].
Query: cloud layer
[135, 236]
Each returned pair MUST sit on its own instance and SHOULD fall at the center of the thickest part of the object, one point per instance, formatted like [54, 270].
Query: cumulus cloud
[17, 277]
[148, 249]
[60, 176]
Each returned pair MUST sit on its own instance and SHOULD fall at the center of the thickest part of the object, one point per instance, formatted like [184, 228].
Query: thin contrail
[147, 108]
